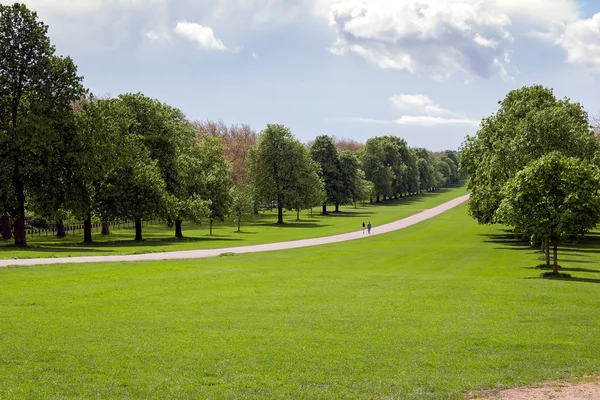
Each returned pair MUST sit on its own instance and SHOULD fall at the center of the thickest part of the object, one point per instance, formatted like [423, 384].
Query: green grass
[434, 311]
[261, 229]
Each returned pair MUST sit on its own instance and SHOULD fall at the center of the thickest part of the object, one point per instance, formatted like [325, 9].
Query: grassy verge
[261, 229]
[430, 312]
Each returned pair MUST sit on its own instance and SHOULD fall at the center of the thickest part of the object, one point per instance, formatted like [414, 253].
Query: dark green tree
[551, 198]
[36, 91]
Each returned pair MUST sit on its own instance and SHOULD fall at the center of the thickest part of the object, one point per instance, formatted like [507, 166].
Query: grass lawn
[430, 312]
[261, 229]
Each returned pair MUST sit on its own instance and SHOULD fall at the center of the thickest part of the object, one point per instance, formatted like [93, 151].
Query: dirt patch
[587, 390]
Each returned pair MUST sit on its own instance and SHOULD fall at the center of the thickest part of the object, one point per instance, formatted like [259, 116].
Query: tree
[36, 91]
[242, 203]
[309, 189]
[325, 153]
[351, 175]
[237, 141]
[134, 188]
[530, 123]
[376, 171]
[100, 125]
[276, 165]
[217, 179]
[425, 166]
[553, 197]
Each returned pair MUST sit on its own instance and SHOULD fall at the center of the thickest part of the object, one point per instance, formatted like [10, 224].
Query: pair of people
[368, 227]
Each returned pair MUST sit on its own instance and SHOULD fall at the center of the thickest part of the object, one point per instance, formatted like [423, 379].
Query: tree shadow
[571, 279]
[508, 240]
[563, 269]
[293, 224]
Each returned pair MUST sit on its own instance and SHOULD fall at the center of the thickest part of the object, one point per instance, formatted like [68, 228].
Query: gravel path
[189, 254]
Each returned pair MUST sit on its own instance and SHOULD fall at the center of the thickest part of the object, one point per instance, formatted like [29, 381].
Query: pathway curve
[188, 254]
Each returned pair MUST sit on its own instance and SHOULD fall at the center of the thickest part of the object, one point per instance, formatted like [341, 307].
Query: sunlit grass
[430, 312]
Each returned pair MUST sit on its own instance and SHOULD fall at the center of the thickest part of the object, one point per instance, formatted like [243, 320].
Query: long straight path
[189, 254]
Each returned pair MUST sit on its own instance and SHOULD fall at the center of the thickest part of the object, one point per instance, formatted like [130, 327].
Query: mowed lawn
[260, 229]
[434, 311]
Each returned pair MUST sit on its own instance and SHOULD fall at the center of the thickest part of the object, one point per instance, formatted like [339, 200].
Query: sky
[424, 70]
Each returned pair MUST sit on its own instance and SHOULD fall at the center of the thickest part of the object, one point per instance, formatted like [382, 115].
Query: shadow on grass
[293, 224]
[353, 214]
[509, 240]
[571, 279]
[563, 269]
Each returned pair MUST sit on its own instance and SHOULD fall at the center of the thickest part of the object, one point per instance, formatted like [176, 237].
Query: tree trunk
[555, 253]
[547, 251]
[337, 207]
[324, 208]
[298, 215]
[377, 201]
[280, 210]
[20, 233]
[87, 229]
[105, 228]
[210, 225]
[239, 223]
[6, 231]
[178, 233]
[60, 229]
[138, 229]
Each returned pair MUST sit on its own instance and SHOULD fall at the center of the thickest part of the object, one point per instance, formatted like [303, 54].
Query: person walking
[363, 228]
[369, 227]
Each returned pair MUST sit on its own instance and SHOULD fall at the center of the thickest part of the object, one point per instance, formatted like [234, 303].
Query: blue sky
[424, 70]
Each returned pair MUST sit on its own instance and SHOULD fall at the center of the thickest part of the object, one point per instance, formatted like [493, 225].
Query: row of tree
[67, 155]
[534, 166]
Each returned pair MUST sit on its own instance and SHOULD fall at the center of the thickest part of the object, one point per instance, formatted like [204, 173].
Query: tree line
[66, 154]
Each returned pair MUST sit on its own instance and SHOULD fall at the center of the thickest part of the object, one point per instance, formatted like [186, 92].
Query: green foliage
[277, 165]
[376, 171]
[36, 124]
[242, 203]
[333, 174]
[553, 197]
[530, 123]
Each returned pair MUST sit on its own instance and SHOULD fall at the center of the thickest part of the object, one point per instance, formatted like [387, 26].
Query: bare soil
[586, 390]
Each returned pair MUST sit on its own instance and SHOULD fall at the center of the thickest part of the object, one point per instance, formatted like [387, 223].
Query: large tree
[276, 165]
[530, 123]
[36, 91]
[553, 197]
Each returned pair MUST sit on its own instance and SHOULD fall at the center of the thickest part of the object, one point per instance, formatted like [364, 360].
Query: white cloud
[581, 40]
[440, 38]
[158, 36]
[255, 56]
[434, 121]
[203, 35]
[426, 113]
[418, 103]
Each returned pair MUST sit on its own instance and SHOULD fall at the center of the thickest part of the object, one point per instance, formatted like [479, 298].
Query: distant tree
[375, 168]
[276, 165]
[324, 152]
[309, 189]
[242, 203]
[352, 177]
[553, 197]
[218, 181]
[237, 141]
[344, 144]
[36, 91]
